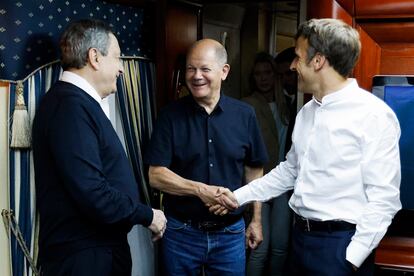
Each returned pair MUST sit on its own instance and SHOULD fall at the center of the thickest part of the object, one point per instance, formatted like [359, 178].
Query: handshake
[219, 200]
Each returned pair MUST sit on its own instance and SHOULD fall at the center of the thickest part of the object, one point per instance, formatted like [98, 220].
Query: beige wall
[4, 177]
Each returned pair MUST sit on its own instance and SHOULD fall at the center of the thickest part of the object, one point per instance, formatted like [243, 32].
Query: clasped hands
[219, 200]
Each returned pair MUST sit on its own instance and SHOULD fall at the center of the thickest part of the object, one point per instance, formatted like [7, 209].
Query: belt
[309, 225]
[210, 225]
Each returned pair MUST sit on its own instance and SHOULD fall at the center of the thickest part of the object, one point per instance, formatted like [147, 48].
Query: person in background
[201, 142]
[289, 82]
[86, 192]
[344, 163]
[272, 111]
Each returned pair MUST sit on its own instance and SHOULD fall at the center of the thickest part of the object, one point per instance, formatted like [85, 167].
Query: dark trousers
[323, 254]
[102, 261]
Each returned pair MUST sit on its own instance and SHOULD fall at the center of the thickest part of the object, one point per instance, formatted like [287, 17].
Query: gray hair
[79, 37]
[335, 40]
[221, 54]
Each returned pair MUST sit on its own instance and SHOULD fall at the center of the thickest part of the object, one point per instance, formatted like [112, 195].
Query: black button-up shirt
[209, 148]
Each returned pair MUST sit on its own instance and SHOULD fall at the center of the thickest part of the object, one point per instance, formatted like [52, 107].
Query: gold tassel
[21, 132]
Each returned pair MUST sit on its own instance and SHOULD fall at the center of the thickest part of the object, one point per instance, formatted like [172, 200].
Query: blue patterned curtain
[136, 104]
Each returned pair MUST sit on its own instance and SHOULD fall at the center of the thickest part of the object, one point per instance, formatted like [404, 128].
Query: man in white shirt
[344, 163]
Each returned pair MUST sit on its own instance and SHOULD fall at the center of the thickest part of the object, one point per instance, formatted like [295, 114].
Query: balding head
[208, 44]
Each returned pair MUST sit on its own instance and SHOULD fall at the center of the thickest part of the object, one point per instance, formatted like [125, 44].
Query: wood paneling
[328, 9]
[369, 61]
[348, 5]
[397, 59]
[384, 8]
[178, 26]
[396, 252]
[390, 32]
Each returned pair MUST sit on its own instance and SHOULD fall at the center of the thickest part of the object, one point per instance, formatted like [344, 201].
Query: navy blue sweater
[86, 193]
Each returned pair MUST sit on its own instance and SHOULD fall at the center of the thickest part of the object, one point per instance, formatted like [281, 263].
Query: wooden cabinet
[178, 26]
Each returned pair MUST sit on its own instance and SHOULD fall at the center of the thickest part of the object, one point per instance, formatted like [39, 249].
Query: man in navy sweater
[87, 195]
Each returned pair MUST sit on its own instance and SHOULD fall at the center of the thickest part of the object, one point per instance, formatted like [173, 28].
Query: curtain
[21, 170]
[137, 107]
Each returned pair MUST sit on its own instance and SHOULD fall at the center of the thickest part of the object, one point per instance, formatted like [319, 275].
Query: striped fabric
[21, 171]
[136, 105]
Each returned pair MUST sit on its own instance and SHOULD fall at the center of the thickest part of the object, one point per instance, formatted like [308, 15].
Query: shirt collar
[342, 93]
[219, 106]
[83, 84]
[80, 82]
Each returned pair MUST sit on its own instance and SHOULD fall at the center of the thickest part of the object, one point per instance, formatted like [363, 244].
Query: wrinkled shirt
[344, 164]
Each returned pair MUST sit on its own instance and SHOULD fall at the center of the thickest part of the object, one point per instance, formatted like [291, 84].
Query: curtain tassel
[21, 132]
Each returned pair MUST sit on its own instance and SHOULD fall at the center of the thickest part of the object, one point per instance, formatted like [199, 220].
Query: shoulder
[374, 105]
[175, 112]
[375, 115]
[309, 106]
[71, 101]
[235, 105]
[176, 107]
[62, 95]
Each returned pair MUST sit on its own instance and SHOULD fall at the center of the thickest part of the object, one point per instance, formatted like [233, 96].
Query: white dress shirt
[83, 84]
[344, 164]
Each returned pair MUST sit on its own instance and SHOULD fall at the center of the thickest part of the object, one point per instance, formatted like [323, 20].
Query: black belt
[309, 225]
[208, 225]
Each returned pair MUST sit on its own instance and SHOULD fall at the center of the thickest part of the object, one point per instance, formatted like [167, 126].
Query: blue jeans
[276, 225]
[185, 250]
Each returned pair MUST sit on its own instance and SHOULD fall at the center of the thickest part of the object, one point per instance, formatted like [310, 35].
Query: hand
[158, 224]
[227, 202]
[218, 210]
[208, 194]
[254, 235]
[227, 199]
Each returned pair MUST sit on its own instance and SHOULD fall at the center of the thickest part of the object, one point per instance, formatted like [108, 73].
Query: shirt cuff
[356, 253]
[143, 215]
[242, 195]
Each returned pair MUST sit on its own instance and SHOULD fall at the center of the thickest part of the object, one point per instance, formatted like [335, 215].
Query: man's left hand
[254, 235]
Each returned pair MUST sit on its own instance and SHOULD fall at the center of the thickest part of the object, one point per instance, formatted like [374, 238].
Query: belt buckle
[207, 225]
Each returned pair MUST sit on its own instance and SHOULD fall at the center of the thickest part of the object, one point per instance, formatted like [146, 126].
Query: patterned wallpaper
[30, 31]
